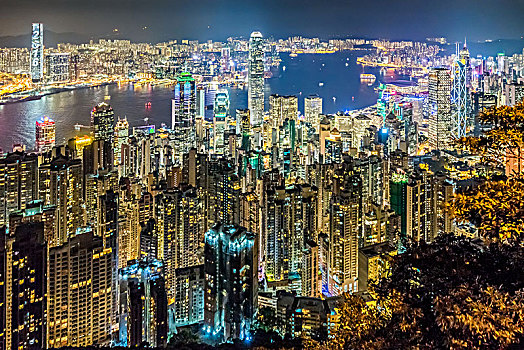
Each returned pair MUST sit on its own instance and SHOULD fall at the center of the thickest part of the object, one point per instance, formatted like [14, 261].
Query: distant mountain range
[51, 39]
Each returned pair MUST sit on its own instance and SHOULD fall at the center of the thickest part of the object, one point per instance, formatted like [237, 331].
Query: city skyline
[302, 186]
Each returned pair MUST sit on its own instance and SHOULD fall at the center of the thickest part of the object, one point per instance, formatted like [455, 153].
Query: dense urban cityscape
[265, 225]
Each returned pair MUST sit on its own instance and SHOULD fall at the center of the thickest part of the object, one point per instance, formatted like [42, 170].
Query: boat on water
[367, 78]
[293, 54]
[321, 84]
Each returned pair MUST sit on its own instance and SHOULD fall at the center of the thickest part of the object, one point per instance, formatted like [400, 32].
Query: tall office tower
[121, 138]
[220, 118]
[57, 67]
[178, 233]
[45, 134]
[37, 52]
[183, 113]
[231, 269]
[102, 122]
[282, 108]
[189, 295]
[80, 293]
[345, 229]
[60, 183]
[440, 124]
[143, 303]
[25, 287]
[36, 211]
[256, 78]
[313, 110]
[460, 94]
[18, 177]
[201, 102]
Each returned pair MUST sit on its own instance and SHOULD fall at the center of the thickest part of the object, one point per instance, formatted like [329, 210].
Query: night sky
[218, 19]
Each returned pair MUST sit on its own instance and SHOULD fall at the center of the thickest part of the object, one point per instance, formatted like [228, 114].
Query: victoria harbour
[334, 77]
[238, 175]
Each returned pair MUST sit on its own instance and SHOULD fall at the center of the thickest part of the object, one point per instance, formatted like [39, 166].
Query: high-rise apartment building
[25, 287]
[18, 183]
[189, 295]
[60, 183]
[102, 122]
[81, 295]
[45, 134]
[57, 67]
[256, 78]
[120, 139]
[313, 110]
[282, 108]
[345, 228]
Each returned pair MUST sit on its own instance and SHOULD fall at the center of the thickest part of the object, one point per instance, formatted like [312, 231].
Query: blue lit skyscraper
[37, 52]
[256, 78]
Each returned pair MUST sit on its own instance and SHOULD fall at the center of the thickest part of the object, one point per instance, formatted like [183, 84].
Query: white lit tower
[221, 112]
[439, 103]
[256, 78]
[37, 52]
[459, 93]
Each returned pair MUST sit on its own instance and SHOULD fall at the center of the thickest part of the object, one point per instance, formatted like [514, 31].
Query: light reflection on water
[301, 77]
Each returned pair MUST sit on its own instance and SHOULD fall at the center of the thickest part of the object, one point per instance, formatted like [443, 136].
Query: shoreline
[53, 92]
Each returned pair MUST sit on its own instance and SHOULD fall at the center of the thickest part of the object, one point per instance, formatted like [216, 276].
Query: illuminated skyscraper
[25, 287]
[183, 113]
[439, 101]
[256, 78]
[313, 110]
[121, 136]
[81, 282]
[37, 52]
[18, 183]
[45, 134]
[231, 282]
[221, 113]
[57, 67]
[60, 183]
[143, 304]
[102, 122]
[282, 108]
[459, 93]
[345, 228]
